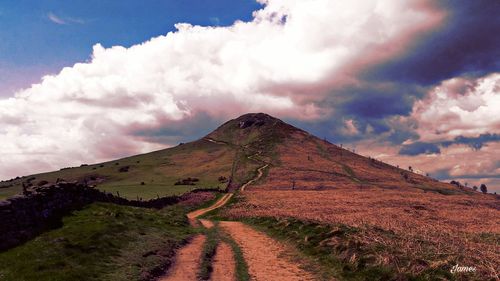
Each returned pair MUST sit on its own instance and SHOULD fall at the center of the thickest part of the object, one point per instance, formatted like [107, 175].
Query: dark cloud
[373, 108]
[174, 131]
[467, 44]
[475, 143]
[400, 135]
[480, 176]
[375, 105]
[376, 100]
[441, 174]
[419, 148]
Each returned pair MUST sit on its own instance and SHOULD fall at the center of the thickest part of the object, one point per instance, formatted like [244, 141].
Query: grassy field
[101, 242]
[148, 175]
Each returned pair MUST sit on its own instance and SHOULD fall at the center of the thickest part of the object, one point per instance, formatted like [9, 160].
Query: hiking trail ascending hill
[259, 175]
[221, 202]
[266, 257]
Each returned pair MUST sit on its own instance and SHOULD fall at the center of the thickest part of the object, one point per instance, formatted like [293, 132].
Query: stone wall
[23, 217]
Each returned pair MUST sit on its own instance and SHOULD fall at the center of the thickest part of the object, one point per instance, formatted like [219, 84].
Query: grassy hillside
[104, 242]
[100, 242]
[148, 175]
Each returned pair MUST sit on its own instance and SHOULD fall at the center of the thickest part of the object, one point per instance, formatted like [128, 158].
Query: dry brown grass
[437, 229]
[429, 224]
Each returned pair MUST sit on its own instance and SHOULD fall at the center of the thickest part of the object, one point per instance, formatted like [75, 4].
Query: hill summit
[252, 127]
[231, 155]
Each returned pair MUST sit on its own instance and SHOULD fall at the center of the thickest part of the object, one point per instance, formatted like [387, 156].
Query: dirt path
[215, 141]
[262, 253]
[266, 258]
[259, 175]
[221, 202]
[206, 223]
[224, 264]
[187, 261]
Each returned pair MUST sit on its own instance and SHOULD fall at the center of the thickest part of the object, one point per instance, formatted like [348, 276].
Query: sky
[412, 83]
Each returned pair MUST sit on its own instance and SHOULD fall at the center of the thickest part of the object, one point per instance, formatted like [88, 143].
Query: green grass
[208, 253]
[215, 215]
[146, 191]
[10, 191]
[100, 242]
[214, 237]
[351, 174]
[442, 190]
[159, 170]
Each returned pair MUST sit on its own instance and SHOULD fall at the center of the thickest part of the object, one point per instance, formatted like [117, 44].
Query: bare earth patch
[266, 258]
[187, 261]
[207, 223]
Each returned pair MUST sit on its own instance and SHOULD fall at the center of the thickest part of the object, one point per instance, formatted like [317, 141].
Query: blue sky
[413, 83]
[39, 37]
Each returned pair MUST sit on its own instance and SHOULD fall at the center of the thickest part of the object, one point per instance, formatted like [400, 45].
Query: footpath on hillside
[267, 259]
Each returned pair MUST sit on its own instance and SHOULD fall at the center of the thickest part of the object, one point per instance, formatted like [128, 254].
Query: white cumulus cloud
[460, 107]
[282, 61]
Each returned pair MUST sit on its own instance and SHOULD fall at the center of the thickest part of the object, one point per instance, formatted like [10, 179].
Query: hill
[247, 141]
[357, 218]
[148, 175]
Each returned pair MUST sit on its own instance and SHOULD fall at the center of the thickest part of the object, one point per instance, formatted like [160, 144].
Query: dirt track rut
[267, 259]
[187, 261]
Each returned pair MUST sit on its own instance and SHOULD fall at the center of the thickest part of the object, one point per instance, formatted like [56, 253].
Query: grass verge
[214, 236]
[101, 242]
[208, 253]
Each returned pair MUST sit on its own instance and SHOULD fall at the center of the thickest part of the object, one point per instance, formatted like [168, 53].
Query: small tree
[475, 188]
[410, 169]
[483, 188]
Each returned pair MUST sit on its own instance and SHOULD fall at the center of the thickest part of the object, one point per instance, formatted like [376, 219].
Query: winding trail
[221, 202]
[267, 259]
[259, 175]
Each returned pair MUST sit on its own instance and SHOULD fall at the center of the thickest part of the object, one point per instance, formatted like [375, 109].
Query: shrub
[483, 188]
[124, 169]
[187, 181]
[222, 179]
[42, 182]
